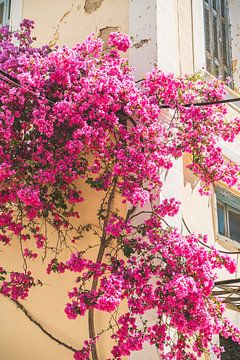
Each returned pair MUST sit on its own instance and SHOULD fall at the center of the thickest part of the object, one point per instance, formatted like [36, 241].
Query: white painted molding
[143, 33]
[198, 35]
[16, 14]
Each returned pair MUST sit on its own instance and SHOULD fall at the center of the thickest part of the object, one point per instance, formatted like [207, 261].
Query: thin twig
[130, 212]
[40, 326]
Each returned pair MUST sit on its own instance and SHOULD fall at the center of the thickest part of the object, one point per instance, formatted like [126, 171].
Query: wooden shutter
[208, 36]
[227, 198]
[226, 48]
[217, 38]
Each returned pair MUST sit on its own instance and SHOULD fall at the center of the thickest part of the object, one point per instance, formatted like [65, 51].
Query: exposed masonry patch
[104, 34]
[141, 43]
[92, 5]
[234, 64]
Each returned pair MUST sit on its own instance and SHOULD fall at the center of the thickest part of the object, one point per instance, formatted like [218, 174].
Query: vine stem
[91, 324]
[40, 326]
[103, 245]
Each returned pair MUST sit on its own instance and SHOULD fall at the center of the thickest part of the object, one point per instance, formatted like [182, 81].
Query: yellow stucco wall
[71, 22]
[46, 304]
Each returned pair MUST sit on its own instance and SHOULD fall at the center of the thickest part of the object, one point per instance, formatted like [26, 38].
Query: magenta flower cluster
[74, 116]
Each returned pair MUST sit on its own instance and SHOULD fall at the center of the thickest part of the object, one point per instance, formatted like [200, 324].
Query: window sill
[228, 243]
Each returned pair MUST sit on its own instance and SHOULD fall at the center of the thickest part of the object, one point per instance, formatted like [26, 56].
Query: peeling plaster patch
[234, 64]
[92, 5]
[141, 43]
[104, 33]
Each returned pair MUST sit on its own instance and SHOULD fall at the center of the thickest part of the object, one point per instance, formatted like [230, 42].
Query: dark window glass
[232, 349]
[215, 37]
[234, 225]
[223, 7]
[207, 28]
[224, 44]
[221, 221]
[9, 9]
[1, 12]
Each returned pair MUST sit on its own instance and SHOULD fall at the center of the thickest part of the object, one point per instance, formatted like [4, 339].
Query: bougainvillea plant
[74, 115]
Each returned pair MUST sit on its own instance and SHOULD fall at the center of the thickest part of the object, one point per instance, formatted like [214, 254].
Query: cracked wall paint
[56, 34]
[234, 65]
[92, 5]
[78, 24]
[141, 43]
[104, 33]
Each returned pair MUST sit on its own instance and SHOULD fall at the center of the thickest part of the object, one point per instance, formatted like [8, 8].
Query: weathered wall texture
[68, 22]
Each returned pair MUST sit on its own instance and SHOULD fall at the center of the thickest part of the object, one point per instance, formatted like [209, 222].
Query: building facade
[179, 36]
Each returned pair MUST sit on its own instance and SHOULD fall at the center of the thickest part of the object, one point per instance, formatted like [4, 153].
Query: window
[5, 7]
[217, 38]
[232, 349]
[228, 214]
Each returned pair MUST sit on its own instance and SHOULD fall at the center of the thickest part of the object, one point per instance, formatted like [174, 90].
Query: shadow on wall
[191, 181]
[189, 177]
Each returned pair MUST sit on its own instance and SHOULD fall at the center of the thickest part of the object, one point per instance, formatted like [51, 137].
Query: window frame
[218, 51]
[6, 11]
[227, 206]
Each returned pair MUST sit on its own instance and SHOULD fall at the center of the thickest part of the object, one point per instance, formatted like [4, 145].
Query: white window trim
[16, 14]
[198, 35]
[228, 241]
